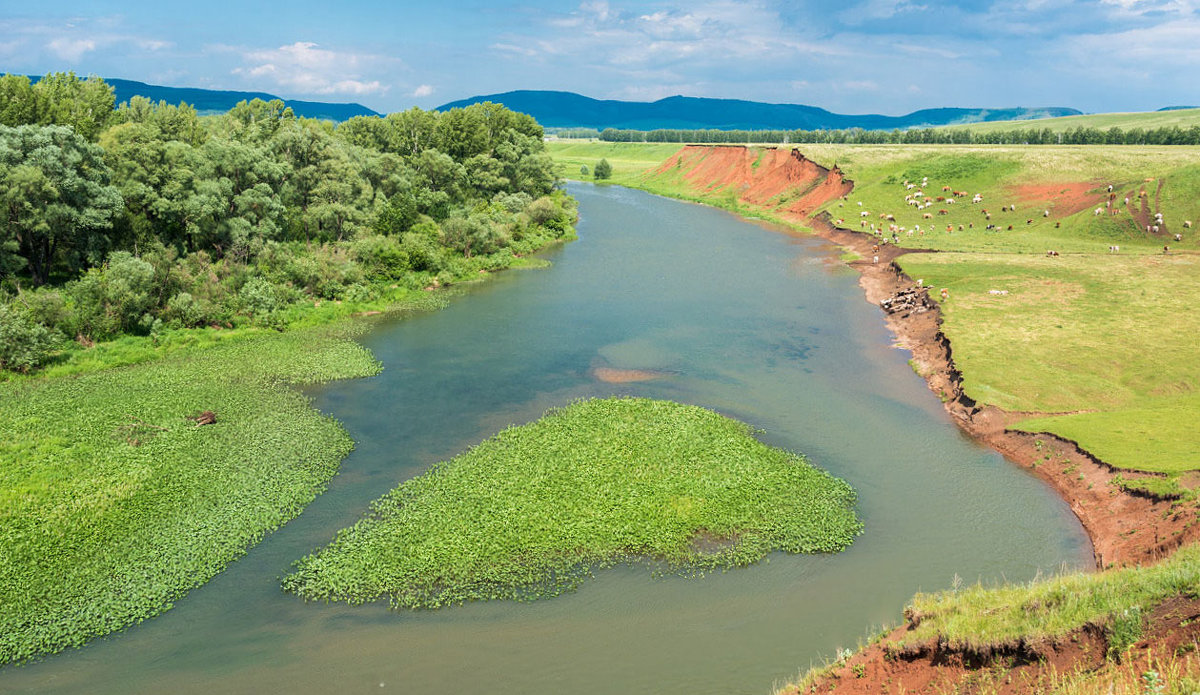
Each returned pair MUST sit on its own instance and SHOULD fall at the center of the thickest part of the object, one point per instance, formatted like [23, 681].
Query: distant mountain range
[210, 101]
[570, 110]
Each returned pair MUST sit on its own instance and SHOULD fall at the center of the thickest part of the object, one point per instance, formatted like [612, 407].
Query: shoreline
[1124, 527]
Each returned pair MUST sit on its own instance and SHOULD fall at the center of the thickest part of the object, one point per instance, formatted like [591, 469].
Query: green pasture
[113, 504]
[1184, 118]
[531, 511]
[1108, 338]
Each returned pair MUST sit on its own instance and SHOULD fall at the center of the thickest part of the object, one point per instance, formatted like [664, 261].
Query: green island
[529, 512]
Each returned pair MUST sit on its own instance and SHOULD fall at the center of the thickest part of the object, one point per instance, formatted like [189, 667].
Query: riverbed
[682, 302]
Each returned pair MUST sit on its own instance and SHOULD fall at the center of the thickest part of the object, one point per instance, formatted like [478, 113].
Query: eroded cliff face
[770, 177]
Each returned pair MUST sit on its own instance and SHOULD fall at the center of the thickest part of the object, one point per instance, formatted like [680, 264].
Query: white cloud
[307, 68]
[71, 49]
[423, 91]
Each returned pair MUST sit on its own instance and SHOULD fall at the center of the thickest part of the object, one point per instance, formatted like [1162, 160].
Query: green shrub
[24, 344]
[381, 256]
[258, 298]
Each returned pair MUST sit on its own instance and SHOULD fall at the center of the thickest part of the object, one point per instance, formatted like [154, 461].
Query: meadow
[532, 511]
[1184, 118]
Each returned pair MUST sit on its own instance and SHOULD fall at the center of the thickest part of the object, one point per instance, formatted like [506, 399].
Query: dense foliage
[145, 217]
[113, 503]
[1082, 135]
[530, 511]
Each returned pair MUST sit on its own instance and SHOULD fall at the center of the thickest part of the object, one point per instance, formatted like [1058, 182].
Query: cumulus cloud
[423, 91]
[71, 49]
[307, 68]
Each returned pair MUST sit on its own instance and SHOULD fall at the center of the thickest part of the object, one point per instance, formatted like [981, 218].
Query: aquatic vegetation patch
[529, 512]
[116, 498]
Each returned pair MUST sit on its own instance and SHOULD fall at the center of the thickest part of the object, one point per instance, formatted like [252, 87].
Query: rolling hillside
[567, 109]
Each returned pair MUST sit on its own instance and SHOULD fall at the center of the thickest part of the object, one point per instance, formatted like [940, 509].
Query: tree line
[1080, 135]
[136, 218]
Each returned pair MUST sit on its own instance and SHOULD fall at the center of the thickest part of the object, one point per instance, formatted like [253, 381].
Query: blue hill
[569, 110]
[210, 101]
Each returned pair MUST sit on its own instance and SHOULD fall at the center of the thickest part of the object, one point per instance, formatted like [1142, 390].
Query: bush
[24, 344]
[381, 256]
[184, 311]
[113, 299]
[258, 298]
[602, 170]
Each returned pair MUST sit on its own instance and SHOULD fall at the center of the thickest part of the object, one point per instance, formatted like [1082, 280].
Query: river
[762, 325]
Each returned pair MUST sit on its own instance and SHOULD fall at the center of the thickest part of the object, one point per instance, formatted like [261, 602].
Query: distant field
[1183, 118]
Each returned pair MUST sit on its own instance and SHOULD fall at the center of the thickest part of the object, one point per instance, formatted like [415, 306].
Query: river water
[761, 325]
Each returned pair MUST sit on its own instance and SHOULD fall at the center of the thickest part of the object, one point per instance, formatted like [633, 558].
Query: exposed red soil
[1068, 198]
[1125, 528]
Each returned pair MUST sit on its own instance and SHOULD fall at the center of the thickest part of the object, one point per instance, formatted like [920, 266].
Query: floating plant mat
[528, 513]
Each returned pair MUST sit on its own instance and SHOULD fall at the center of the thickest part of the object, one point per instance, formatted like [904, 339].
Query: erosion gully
[762, 325]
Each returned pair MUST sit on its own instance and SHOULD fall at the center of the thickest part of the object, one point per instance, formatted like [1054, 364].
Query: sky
[849, 56]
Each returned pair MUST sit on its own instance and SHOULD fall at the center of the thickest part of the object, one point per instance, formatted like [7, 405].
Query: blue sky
[850, 56]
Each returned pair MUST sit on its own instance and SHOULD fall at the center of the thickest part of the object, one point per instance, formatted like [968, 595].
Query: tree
[55, 196]
[602, 170]
[583, 170]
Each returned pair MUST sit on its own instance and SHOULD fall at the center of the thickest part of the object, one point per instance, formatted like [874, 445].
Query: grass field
[1184, 118]
[113, 503]
[531, 511]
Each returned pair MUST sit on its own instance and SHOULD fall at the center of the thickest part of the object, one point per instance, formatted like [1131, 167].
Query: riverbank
[1128, 524]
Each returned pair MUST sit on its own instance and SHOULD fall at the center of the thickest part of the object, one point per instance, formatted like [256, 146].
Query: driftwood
[207, 417]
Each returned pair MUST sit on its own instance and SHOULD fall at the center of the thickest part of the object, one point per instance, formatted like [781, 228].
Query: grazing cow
[943, 211]
[949, 201]
[1110, 188]
[945, 188]
[945, 294]
[977, 199]
[1126, 201]
[874, 259]
[1154, 229]
[1187, 224]
[1096, 212]
[960, 227]
[1028, 221]
[1003, 208]
[1114, 249]
[1052, 253]
[1166, 249]
[864, 213]
[1045, 213]
[1010, 227]
[1147, 229]
[1057, 225]
[1178, 237]
[860, 203]
[927, 215]
[941, 198]
[998, 292]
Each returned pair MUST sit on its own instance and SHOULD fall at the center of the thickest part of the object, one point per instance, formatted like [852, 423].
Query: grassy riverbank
[531, 511]
[113, 503]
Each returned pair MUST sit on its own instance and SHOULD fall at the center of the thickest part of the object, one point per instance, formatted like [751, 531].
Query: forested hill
[569, 110]
[215, 101]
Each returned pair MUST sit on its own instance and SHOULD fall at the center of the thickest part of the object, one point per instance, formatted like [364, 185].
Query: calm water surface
[750, 321]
